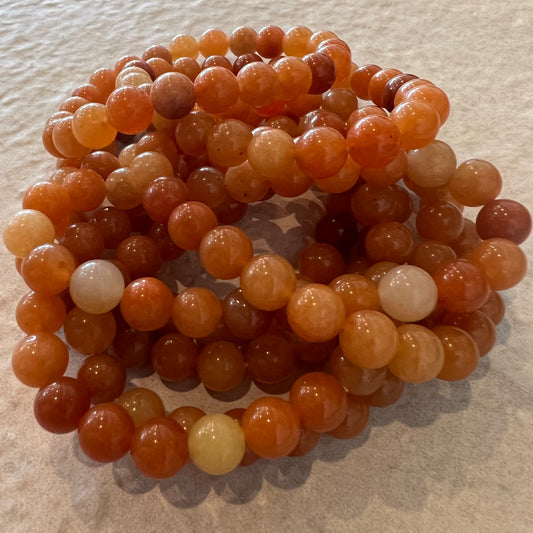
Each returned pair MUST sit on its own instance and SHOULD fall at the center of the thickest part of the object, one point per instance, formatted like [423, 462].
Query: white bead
[407, 293]
[97, 286]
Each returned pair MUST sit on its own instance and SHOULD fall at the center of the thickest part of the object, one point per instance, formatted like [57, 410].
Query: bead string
[161, 155]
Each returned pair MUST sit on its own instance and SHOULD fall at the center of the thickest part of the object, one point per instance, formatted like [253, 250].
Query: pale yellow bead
[27, 230]
[432, 165]
[216, 444]
[132, 76]
[96, 286]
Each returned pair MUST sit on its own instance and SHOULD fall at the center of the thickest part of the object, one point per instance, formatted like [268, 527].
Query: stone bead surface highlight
[267, 281]
[159, 448]
[221, 366]
[216, 444]
[271, 427]
[461, 353]
[37, 359]
[142, 404]
[89, 333]
[357, 292]
[319, 401]
[104, 376]
[26, 230]
[407, 293]
[96, 286]
[475, 182]
[315, 312]
[431, 166]
[196, 312]
[105, 432]
[419, 356]
[36, 313]
[368, 339]
[503, 218]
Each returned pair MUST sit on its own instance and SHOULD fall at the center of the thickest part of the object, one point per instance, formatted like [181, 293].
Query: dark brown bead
[322, 70]
[392, 86]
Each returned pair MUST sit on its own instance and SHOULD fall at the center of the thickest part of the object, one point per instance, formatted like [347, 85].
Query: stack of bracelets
[161, 155]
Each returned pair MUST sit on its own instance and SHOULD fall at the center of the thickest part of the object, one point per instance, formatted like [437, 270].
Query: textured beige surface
[446, 457]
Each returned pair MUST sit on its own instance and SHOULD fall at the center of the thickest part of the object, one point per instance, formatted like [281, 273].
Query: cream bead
[96, 286]
[216, 444]
[132, 76]
[407, 293]
[28, 229]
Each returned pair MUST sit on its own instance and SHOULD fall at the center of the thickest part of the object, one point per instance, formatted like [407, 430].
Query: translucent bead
[36, 313]
[192, 132]
[407, 293]
[356, 380]
[271, 153]
[357, 292]
[475, 182]
[189, 222]
[40, 358]
[462, 286]
[355, 421]
[174, 357]
[320, 152]
[244, 184]
[433, 96]
[419, 356]
[159, 448]
[440, 221]
[64, 140]
[96, 286]
[373, 141]
[503, 262]
[104, 376]
[271, 427]
[417, 122]
[242, 40]
[461, 354]
[172, 95]
[146, 304]
[368, 339]
[217, 89]
[129, 109]
[430, 255]
[132, 76]
[360, 80]
[321, 263]
[183, 45]
[86, 189]
[196, 312]
[187, 66]
[242, 319]
[294, 77]
[504, 218]
[47, 269]
[306, 443]
[322, 71]
[377, 84]
[269, 41]
[132, 347]
[494, 307]
[224, 250]
[388, 174]
[258, 83]
[213, 42]
[343, 180]
[139, 255]
[83, 240]
[186, 416]
[148, 166]
[141, 404]
[270, 359]
[105, 432]
[206, 185]
[27, 230]
[59, 406]
[267, 281]
[227, 143]
[389, 241]
[315, 312]
[89, 333]
[389, 393]
[221, 366]
[120, 191]
[391, 88]
[91, 126]
[431, 166]
[216, 444]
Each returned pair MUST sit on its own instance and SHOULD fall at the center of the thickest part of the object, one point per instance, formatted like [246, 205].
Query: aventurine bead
[368, 338]
[271, 427]
[216, 444]
[267, 281]
[419, 356]
[96, 286]
[26, 230]
[407, 293]
[315, 312]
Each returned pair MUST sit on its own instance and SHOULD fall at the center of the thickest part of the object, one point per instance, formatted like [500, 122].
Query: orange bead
[357, 292]
[377, 84]
[146, 304]
[475, 182]
[259, 84]
[217, 89]
[221, 366]
[271, 427]
[189, 222]
[142, 404]
[129, 109]
[355, 421]
[461, 353]
[196, 312]
[368, 339]
[36, 313]
[417, 122]
[89, 333]
[319, 400]
[315, 312]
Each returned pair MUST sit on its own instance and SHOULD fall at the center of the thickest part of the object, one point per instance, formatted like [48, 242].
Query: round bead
[142, 404]
[221, 366]
[475, 183]
[36, 313]
[368, 339]
[355, 421]
[96, 286]
[407, 293]
[461, 353]
[319, 401]
[159, 448]
[419, 356]
[271, 427]
[27, 230]
[216, 444]
[196, 312]
[174, 357]
[104, 376]
[504, 218]
[315, 312]
[105, 432]
[267, 281]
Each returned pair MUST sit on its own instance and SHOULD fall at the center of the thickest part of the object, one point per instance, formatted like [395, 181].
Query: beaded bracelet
[160, 156]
